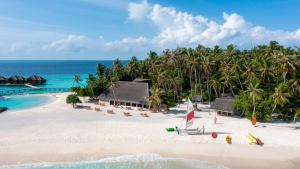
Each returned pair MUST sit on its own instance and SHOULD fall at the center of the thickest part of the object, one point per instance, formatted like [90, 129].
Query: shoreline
[232, 162]
[56, 132]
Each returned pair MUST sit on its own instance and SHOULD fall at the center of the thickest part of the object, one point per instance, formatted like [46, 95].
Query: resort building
[3, 80]
[16, 79]
[36, 80]
[135, 94]
[224, 106]
[144, 81]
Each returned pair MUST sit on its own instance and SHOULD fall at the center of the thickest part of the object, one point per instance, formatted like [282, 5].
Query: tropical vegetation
[265, 80]
[73, 99]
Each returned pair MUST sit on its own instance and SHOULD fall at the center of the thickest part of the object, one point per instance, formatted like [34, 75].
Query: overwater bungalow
[126, 93]
[16, 79]
[224, 106]
[3, 80]
[3, 109]
[36, 80]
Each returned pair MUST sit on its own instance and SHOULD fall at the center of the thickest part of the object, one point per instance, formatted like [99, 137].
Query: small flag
[190, 114]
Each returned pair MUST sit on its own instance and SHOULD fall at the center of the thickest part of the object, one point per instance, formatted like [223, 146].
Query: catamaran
[189, 121]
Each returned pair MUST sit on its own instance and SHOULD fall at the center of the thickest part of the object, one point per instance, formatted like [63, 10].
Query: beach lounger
[126, 114]
[97, 109]
[110, 111]
[144, 114]
[128, 108]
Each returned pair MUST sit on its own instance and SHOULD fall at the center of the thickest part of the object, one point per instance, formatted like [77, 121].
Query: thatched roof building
[143, 81]
[3, 109]
[127, 93]
[3, 80]
[16, 79]
[224, 106]
[36, 80]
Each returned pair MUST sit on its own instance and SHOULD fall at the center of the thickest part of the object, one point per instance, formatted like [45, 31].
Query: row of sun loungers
[127, 114]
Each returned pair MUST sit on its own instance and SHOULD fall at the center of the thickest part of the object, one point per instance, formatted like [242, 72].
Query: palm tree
[254, 92]
[100, 69]
[215, 84]
[297, 113]
[77, 80]
[118, 68]
[155, 100]
[132, 68]
[280, 96]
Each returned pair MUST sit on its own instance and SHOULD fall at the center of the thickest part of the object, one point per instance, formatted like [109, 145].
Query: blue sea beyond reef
[59, 74]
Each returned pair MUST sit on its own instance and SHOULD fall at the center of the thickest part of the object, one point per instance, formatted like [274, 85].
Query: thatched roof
[35, 79]
[16, 79]
[197, 98]
[143, 81]
[134, 92]
[3, 80]
[223, 104]
[2, 109]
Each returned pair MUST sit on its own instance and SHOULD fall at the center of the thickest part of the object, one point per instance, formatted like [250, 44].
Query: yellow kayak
[251, 139]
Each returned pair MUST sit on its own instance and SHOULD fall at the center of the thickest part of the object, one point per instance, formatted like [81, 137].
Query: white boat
[189, 122]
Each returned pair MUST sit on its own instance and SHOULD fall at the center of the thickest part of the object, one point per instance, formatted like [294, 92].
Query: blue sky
[106, 29]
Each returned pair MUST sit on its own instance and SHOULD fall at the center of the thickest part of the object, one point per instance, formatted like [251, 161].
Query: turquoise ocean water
[59, 74]
[151, 161]
[18, 102]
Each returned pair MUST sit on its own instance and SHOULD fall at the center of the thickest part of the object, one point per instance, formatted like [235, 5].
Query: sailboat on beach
[189, 121]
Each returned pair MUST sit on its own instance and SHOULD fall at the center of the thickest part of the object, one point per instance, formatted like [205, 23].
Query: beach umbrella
[16, 79]
[36, 80]
[3, 80]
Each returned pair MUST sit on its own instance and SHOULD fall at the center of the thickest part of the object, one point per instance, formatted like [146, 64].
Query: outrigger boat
[189, 122]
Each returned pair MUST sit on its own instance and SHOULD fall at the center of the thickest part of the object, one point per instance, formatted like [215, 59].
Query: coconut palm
[100, 69]
[155, 100]
[254, 92]
[77, 80]
[280, 96]
[297, 114]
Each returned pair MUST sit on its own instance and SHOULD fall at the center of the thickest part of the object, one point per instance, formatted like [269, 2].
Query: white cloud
[138, 11]
[178, 28]
[71, 43]
[174, 28]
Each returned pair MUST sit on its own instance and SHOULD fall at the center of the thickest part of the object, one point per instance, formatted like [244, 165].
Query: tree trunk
[195, 80]
[253, 114]
[216, 93]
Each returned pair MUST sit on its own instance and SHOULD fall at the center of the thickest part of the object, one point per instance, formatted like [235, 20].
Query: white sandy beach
[56, 132]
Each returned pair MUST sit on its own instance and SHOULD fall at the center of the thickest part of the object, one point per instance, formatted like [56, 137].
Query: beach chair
[97, 109]
[128, 108]
[110, 111]
[144, 114]
[127, 114]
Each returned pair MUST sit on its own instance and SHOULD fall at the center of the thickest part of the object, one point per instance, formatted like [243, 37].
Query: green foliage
[264, 79]
[73, 99]
[75, 89]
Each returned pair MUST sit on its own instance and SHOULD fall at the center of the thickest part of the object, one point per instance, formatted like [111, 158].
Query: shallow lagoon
[20, 102]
